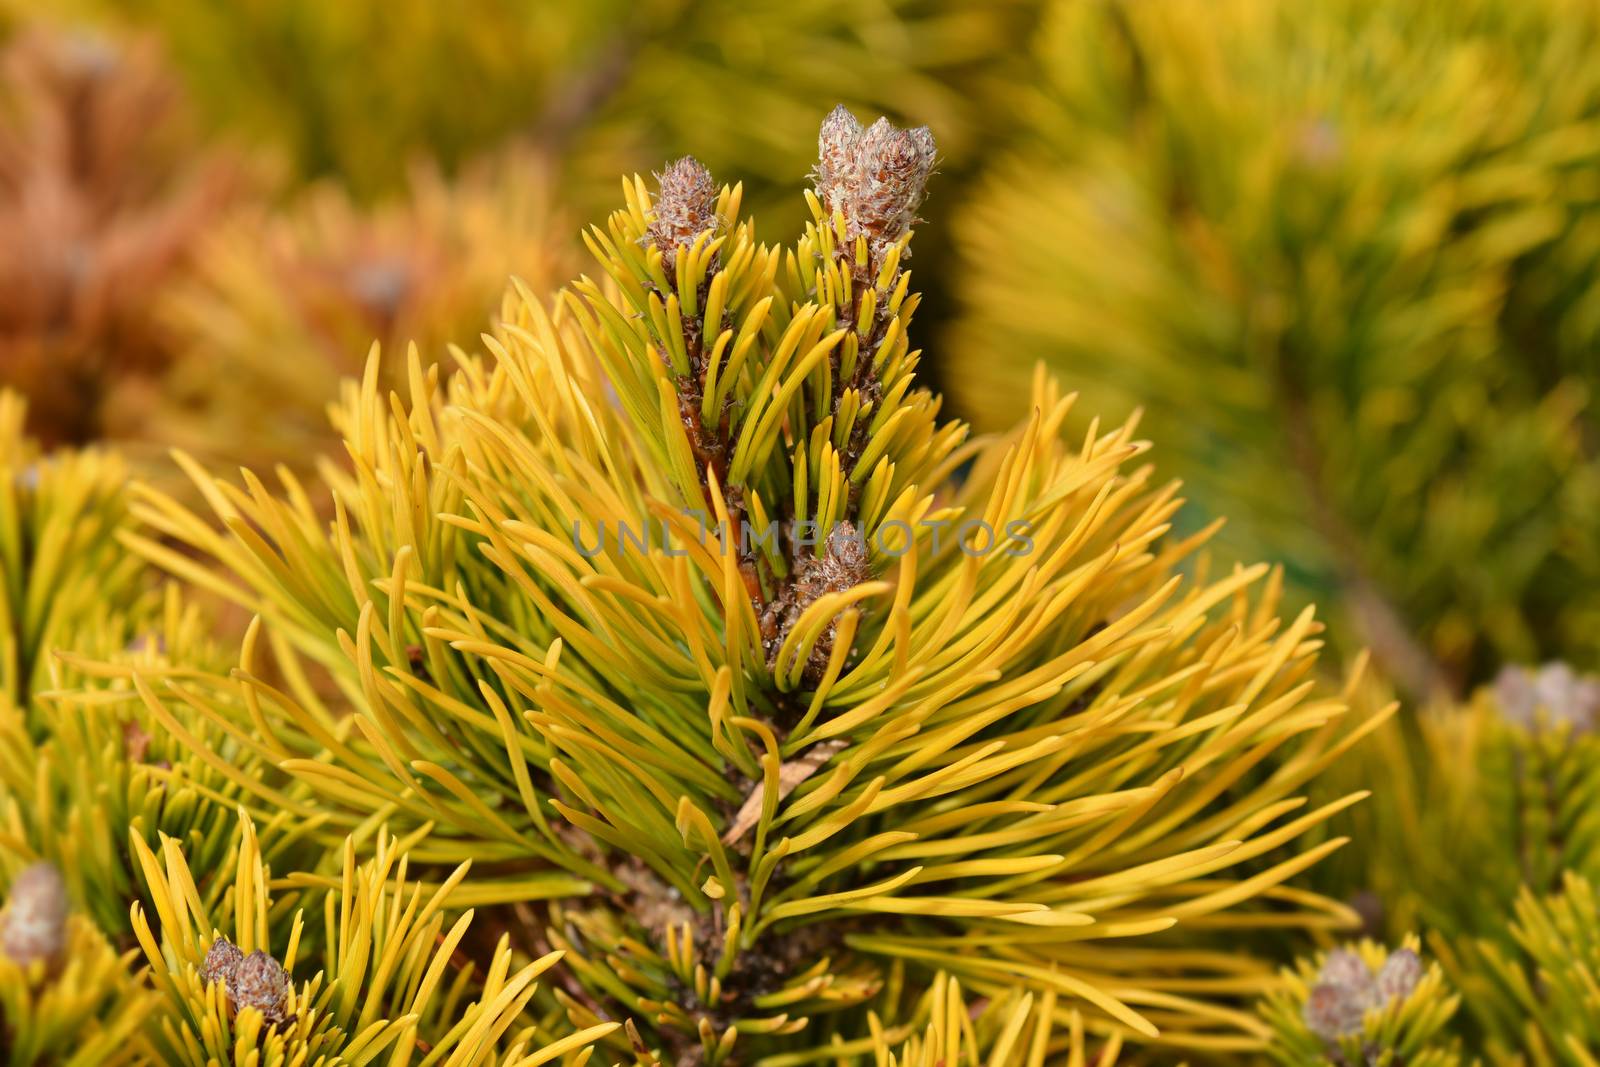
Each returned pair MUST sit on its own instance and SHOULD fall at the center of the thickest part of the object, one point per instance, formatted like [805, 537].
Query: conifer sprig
[1509, 781]
[81, 758]
[977, 726]
[381, 984]
[1535, 995]
[1363, 1004]
[66, 998]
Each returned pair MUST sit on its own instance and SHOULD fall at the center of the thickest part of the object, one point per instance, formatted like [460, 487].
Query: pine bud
[1555, 690]
[685, 208]
[836, 159]
[844, 565]
[1345, 968]
[1399, 976]
[876, 178]
[1345, 990]
[36, 919]
[222, 959]
[380, 286]
[895, 165]
[1331, 1014]
[260, 982]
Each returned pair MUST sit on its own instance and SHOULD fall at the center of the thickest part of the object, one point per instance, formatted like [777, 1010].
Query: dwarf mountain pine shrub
[762, 691]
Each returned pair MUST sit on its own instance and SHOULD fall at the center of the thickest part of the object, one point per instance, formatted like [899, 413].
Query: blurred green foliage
[355, 99]
[1482, 836]
[358, 89]
[1344, 253]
